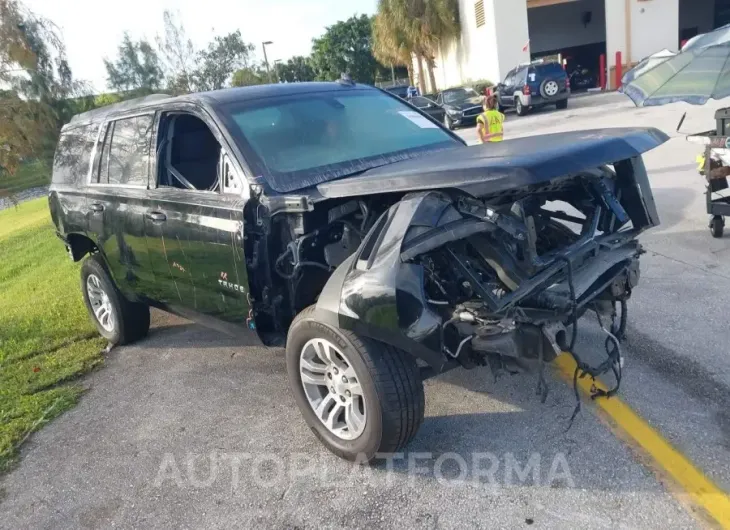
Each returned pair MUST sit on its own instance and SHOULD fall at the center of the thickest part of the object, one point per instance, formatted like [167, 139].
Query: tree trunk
[410, 75]
[421, 77]
[431, 76]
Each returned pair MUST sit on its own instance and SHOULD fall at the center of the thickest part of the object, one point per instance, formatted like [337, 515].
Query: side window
[73, 154]
[125, 153]
[521, 76]
[189, 154]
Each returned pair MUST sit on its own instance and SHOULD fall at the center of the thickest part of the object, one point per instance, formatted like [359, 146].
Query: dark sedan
[462, 105]
[429, 106]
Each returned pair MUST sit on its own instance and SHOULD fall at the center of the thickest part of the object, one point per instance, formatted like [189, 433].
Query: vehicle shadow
[671, 202]
[477, 429]
[170, 330]
[498, 434]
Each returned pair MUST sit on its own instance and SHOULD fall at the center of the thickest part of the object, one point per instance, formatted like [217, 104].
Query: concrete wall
[559, 26]
[511, 34]
[698, 14]
[476, 54]
[653, 26]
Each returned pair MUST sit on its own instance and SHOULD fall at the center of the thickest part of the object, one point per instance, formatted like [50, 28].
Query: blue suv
[534, 85]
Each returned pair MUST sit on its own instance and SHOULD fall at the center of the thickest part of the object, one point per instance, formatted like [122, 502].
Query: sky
[92, 29]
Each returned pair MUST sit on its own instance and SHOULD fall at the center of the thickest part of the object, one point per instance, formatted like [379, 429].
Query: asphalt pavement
[191, 429]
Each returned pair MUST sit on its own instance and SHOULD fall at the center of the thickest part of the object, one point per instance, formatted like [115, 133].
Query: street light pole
[266, 59]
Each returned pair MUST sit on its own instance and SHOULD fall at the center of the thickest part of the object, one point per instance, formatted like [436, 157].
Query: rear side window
[73, 154]
[125, 154]
[547, 70]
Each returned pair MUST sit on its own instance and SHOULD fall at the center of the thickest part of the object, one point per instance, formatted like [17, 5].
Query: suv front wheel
[117, 319]
[360, 397]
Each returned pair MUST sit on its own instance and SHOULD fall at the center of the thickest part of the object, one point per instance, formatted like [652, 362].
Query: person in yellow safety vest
[490, 123]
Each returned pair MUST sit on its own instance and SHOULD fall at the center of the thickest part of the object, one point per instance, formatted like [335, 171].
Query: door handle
[156, 216]
[97, 207]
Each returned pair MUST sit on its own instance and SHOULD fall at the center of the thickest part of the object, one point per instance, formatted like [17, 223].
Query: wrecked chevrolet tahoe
[341, 221]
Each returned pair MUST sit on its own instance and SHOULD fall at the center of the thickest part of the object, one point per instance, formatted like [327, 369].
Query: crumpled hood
[482, 170]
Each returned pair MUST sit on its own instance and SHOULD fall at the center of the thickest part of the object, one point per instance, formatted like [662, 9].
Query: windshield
[458, 95]
[400, 91]
[298, 141]
[421, 102]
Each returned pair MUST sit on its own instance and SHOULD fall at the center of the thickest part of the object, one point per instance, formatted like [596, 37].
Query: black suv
[341, 220]
[534, 85]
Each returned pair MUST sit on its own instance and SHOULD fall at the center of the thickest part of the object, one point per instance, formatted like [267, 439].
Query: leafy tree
[419, 26]
[297, 68]
[346, 47]
[178, 55]
[250, 75]
[223, 56]
[36, 85]
[136, 69]
[391, 45]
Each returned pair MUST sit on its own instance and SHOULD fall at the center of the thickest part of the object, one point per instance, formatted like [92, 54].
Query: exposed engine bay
[458, 280]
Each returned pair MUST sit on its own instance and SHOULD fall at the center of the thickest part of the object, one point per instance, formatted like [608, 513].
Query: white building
[497, 35]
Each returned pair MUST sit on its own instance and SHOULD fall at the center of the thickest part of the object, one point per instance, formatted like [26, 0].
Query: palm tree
[390, 44]
[407, 28]
[440, 24]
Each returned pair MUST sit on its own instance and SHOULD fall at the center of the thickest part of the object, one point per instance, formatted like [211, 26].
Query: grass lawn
[46, 338]
[29, 175]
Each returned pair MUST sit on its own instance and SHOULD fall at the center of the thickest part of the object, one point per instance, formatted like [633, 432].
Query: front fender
[376, 294]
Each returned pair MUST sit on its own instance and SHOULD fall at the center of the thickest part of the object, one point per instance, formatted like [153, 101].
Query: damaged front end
[459, 280]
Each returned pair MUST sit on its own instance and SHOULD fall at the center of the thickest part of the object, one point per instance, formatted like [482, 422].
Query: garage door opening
[575, 29]
[701, 16]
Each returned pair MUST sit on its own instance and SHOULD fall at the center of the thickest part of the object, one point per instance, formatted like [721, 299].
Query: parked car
[399, 90]
[462, 106]
[342, 222]
[429, 106]
[534, 85]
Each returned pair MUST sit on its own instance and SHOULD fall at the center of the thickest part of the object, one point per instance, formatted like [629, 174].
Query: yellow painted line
[700, 489]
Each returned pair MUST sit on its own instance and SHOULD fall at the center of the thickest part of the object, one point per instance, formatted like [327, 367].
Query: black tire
[543, 88]
[519, 107]
[391, 383]
[131, 319]
[717, 226]
[562, 104]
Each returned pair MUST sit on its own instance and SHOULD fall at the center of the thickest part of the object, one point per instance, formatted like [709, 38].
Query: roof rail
[117, 107]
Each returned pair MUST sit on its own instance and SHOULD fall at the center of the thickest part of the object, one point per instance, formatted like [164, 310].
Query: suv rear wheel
[117, 319]
[360, 397]
[549, 88]
[519, 107]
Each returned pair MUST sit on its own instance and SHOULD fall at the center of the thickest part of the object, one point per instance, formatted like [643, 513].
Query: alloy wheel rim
[332, 389]
[100, 303]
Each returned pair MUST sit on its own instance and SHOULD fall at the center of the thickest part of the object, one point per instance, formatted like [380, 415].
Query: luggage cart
[714, 165]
